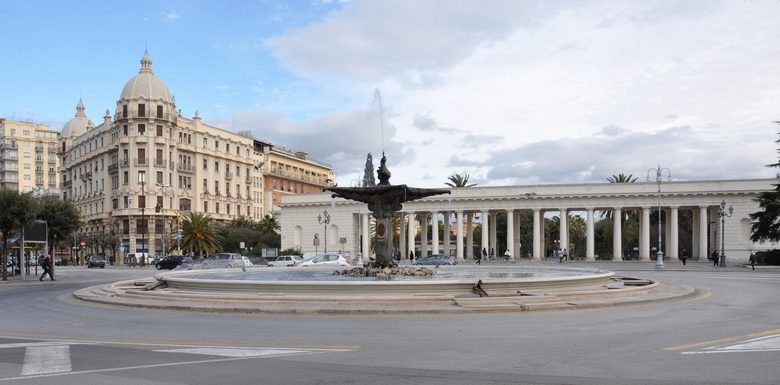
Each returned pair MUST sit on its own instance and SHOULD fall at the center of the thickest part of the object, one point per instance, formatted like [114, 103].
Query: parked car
[285, 260]
[96, 261]
[136, 259]
[325, 260]
[222, 260]
[436, 259]
[174, 262]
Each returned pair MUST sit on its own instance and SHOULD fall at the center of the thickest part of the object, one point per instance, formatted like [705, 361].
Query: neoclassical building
[144, 165]
[348, 229]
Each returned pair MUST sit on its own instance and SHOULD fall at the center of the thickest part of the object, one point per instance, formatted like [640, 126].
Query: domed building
[143, 167]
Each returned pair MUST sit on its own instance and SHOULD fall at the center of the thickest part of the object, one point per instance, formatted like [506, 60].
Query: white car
[222, 260]
[325, 260]
[285, 260]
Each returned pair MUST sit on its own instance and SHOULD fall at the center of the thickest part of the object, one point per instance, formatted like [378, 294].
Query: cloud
[170, 16]
[340, 139]
[405, 39]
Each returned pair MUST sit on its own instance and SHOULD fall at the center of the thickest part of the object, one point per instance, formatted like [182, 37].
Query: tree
[765, 224]
[198, 234]
[620, 178]
[368, 173]
[61, 216]
[457, 180]
[16, 211]
[269, 229]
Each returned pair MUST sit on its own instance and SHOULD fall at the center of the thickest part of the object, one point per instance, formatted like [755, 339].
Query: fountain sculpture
[384, 200]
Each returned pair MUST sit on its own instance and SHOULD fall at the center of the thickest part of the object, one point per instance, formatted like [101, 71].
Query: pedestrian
[492, 253]
[411, 255]
[565, 256]
[507, 256]
[684, 256]
[753, 260]
[715, 258]
[47, 268]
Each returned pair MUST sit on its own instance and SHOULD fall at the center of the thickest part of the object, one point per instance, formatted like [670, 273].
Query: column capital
[647, 207]
[590, 209]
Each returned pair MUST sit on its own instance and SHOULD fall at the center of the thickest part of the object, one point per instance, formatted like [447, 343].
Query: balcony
[113, 168]
[124, 163]
[38, 148]
[140, 161]
[228, 176]
[151, 115]
[185, 168]
[67, 183]
[159, 163]
[8, 144]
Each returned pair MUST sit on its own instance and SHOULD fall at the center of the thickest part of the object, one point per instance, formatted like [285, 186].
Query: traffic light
[158, 208]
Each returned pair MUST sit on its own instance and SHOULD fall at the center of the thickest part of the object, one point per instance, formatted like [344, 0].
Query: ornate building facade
[145, 165]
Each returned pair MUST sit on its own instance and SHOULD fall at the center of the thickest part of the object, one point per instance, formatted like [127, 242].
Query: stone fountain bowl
[321, 282]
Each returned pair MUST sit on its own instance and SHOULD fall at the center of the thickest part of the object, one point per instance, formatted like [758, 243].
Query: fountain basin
[320, 282]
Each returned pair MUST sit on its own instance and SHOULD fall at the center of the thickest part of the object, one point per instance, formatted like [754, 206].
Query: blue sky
[510, 92]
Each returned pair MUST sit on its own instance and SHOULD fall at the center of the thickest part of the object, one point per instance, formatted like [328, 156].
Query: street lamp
[659, 171]
[324, 219]
[722, 214]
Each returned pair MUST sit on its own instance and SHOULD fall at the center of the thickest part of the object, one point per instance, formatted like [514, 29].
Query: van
[137, 259]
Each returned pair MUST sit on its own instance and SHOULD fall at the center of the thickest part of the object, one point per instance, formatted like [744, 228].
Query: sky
[507, 92]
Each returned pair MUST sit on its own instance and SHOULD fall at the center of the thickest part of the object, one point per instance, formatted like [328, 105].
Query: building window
[205, 142]
[159, 177]
[159, 130]
[141, 109]
[141, 202]
[141, 176]
[205, 165]
[125, 178]
[216, 145]
[205, 207]
[160, 113]
[205, 185]
[228, 208]
[216, 208]
[124, 115]
[141, 129]
[227, 150]
[216, 166]
[159, 201]
[216, 187]
[184, 204]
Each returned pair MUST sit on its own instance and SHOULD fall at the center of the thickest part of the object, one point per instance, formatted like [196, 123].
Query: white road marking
[242, 352]
[38, 344]
[48, 359]
[761, 344]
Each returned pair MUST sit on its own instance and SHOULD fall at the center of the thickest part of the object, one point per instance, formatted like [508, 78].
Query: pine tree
[766, 223]
[368, 174]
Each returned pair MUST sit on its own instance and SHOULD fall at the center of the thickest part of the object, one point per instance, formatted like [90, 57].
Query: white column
[366, 236]
[493, 240]
[617, 234]
[469, 254]
[564, 231]
[674, 235]
[694, 235]
[703, 252]
[485, 233]
[410, 235]
[402, 237]
[644, 236]
[517, 248]
[510, 234]
[435, 232]
[446, 240]
[459, 235]
[537, 249]
[590, 242]
[668, 231]
[423, 235]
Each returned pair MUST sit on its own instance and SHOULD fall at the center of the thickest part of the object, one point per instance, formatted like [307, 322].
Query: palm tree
[269, 224]
[199, 235]
[457, 180]
[620, 178]
[577, 229]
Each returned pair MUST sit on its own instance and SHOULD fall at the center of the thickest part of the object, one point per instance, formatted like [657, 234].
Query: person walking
[492, 254]
[484, 256]
[47, 268]
[684, 256]
[507, 256]
[565, 256]
[753, 260]
[411, 255]
[715, 258]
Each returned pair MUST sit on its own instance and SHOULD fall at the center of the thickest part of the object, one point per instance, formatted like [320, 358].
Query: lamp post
[324, 219]
[659, 171]
[722, 214]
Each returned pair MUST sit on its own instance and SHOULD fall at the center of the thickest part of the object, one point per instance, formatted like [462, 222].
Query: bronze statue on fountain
[384, 200]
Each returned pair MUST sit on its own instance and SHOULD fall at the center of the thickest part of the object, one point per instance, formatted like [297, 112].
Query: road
[730, 335]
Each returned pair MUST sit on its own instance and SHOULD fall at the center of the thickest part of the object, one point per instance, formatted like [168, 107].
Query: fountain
[384, 200]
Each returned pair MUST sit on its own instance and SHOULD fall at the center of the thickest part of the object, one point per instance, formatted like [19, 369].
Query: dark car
[436, 259]
[96, 261]
[174, 261]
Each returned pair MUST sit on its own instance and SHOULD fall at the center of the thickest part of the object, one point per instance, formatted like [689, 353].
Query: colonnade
[464, 243]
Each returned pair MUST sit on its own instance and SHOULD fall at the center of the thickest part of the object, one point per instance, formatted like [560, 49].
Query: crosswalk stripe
[233, 352]
[43, 360]
[761, 344]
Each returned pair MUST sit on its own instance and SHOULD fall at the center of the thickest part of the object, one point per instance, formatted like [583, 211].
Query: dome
[78, 125]
[145, 84]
